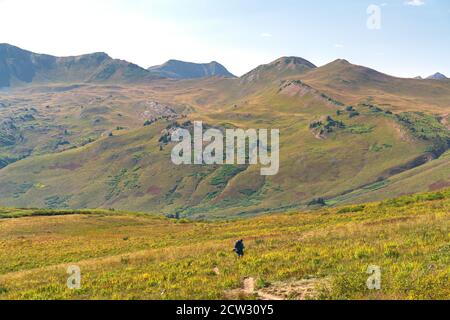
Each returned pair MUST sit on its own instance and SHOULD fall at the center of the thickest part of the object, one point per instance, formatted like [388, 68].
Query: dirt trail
[292, 290]
[295, 290]
[269, 297]
[249, 285]
[444, 120]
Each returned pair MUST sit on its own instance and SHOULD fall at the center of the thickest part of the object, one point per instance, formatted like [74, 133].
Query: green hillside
[433, 176]
[348, 134]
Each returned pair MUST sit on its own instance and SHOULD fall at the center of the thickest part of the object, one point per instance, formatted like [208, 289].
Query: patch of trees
[426, 127]
[331, 100]
[317, 202]
[350, 110]
[326, 126]
[376, 109]
[149, 122]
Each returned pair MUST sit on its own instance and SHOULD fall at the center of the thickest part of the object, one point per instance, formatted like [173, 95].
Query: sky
[403, 38]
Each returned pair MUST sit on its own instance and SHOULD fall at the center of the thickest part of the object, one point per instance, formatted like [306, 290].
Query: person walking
[239, 248]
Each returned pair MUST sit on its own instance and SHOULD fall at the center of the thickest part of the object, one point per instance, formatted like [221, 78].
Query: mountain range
[19, 67]
[90, 138]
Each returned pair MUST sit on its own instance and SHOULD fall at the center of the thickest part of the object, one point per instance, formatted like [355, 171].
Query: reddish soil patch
[439, 185]
[67, 166]
[154, 190]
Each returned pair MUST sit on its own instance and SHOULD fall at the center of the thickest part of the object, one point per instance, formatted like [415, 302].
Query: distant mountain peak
[19, 67]
[437, 76]
[341, 61]
[278, 69]
[5, 45]
[293, 61]
[98, 54]
[347, 74]
[177, 69]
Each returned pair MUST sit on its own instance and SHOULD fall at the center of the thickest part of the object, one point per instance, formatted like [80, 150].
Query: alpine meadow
[122, 182]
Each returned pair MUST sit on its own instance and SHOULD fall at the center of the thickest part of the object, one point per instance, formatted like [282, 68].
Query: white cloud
[103, 25]
[134, 33]
[415, 3]
[339, 45]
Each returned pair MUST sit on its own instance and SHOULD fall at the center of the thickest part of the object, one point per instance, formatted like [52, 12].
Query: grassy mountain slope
[52, 119]
[136, 256]
[356, 84]
[434, 175]
[330, 146]
[129, 171]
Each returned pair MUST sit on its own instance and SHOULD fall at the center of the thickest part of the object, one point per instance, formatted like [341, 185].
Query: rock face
[18, 67]
[175, 69]
[437, 76]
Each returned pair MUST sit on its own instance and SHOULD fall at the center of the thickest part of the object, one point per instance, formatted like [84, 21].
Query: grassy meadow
[140, 256]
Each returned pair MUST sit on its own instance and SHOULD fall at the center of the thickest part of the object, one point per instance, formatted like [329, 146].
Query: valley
[348, 134]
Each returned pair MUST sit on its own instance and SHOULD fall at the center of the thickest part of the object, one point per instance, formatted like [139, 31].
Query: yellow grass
[135, 256]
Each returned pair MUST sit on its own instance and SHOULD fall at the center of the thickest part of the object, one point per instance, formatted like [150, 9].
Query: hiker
[239, 248]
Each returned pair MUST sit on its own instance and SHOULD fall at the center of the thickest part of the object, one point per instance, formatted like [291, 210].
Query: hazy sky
[414, 38]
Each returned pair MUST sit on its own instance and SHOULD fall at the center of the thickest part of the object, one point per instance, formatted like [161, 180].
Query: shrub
[225, 173]
[359, 208]
[353, 114]
[262, 283]
[349, 108]
[360, 129]
[391, 251]
[317, 202]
